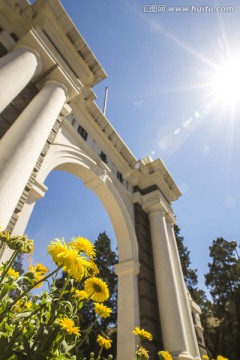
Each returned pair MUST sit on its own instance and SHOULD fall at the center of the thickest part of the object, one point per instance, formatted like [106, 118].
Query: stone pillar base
[183, 355]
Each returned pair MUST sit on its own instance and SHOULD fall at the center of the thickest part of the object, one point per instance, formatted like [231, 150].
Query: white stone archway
[51, 121]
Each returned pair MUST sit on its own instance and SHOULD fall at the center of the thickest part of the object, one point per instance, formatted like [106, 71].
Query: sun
[226, 83]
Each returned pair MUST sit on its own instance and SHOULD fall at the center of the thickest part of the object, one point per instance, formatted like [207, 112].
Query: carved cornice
[150, 175]
[154, 202]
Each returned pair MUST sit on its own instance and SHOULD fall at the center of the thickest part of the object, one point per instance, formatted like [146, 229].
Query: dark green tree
[223, 280]
[105, 260]
[18, 264]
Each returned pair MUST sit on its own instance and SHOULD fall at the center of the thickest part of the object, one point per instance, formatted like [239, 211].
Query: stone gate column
[171, 317]
[17, 68]
[21, 146]
[128, 308]
[182, 292]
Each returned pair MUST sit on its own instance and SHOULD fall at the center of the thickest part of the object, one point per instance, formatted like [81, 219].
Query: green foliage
[18, 264]
[48, 326]
[105, 260]
[28, 325]
[223, 279]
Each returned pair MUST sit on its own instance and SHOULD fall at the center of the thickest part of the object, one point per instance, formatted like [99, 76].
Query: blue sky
[159, 68]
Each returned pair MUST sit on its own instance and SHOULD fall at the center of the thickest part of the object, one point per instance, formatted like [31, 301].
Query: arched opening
[96, 178]
[68, 210]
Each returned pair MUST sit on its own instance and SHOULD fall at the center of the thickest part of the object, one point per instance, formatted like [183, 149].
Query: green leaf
[4, 291]
[30, 332]
[67, 347]
[22, 315]
[27, 346]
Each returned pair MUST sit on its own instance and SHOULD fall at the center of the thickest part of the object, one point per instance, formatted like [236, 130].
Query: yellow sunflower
[28, 304]
[143, 353]
[77, 267]
[38, 277]
[68, 325]
[67, 257]
[21, 306]
[79, 294]
[94, 269]
[57, 249]
[39, 271]
[97, 289]
[164, 355]
[14, 274]
[102, 310]
[142, 333]
[103, 342]
[18, 307]
[83, 245]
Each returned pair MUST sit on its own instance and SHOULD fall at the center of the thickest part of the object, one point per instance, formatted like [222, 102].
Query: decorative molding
[38, 190]
[130, 266]
[92, 144]
[154, 201]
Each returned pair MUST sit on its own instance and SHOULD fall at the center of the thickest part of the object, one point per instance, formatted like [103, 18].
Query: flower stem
[54, 314]
[81, 342]
[9, 264]
[100, 353]
[63, 289]
[33, 286]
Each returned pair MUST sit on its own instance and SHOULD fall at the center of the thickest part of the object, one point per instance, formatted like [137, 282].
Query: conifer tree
[223, 280]
[105, 260]
[18, 264]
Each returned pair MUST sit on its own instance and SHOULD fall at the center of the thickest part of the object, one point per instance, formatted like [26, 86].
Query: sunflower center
[97, 288]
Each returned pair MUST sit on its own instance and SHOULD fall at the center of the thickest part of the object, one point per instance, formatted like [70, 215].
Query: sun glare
[226, 83]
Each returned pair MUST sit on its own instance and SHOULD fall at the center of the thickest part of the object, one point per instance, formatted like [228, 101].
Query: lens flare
[226, 82]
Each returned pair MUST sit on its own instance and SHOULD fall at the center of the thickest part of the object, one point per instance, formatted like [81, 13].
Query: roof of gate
[73, 35]
[156, 169]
